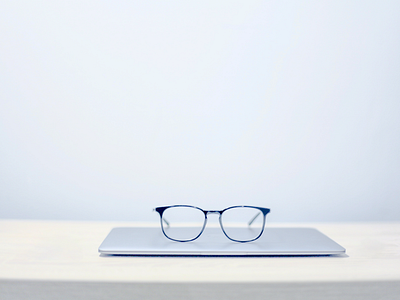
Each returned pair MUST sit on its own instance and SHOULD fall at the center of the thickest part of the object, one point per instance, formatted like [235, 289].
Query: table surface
[68, 251]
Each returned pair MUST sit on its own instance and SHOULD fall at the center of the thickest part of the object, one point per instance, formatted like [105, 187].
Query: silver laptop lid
[274, 241]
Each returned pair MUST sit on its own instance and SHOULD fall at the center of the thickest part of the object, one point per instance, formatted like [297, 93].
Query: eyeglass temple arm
[163, 219]
[254, 218]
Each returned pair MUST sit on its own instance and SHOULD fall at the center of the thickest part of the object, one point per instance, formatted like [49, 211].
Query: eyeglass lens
[183, 223]
[242, 223]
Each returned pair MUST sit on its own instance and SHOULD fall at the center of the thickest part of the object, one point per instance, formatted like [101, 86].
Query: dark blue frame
[263, 210]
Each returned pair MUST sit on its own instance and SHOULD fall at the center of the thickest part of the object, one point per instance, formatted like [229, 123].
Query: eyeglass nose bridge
[213, 212]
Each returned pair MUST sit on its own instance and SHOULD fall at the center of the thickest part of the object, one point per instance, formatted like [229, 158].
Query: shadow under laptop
[344, 255]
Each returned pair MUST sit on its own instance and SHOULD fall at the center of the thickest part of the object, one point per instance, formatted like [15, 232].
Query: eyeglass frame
[263, 210]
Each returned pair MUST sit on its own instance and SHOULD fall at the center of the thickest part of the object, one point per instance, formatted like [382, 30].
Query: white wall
[110, 108]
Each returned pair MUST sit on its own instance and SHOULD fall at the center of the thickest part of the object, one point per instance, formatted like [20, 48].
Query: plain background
[110, 108]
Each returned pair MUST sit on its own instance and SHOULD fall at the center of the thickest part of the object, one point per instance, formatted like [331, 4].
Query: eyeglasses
[185, 223]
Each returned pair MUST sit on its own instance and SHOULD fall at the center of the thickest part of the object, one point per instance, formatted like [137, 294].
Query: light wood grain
[67, 251]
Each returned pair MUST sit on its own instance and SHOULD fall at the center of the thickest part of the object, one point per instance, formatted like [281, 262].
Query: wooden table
[59, 260]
